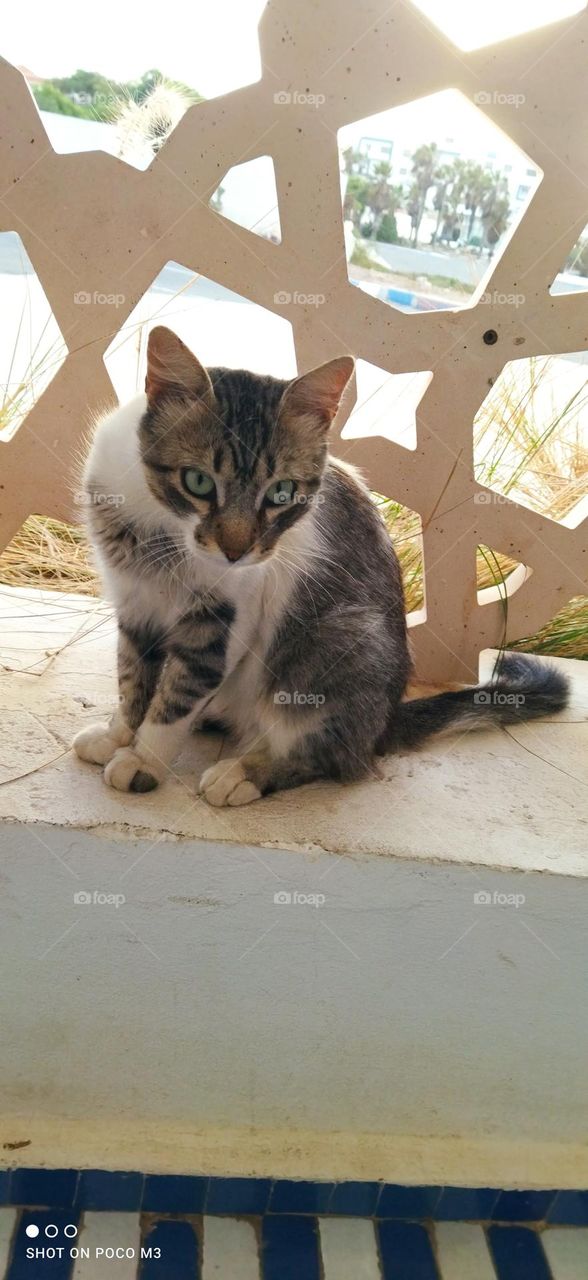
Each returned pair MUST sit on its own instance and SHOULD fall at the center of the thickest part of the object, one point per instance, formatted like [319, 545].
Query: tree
[106, 97]
[424, 168]
[477, 184]
[388, 229]
[382, 197]
[495, 210]
[356, 198]
[49, 98]
[444, 178]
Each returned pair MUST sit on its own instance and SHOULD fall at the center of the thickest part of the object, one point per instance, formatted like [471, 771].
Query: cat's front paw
[127, 771]
[98, 742]
[227, 783]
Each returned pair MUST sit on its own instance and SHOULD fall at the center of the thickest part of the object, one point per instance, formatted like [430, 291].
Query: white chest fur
[259, 593]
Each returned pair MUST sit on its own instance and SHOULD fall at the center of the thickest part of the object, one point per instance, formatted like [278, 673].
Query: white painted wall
[398, 1030]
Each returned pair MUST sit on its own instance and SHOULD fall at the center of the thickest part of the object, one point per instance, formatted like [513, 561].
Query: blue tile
[173, 1193]
[300, 1197]
[359, 1199]
[522, 1206]
[53, 1188]
[4, 1186]
[24, 1266]
[238, 1195]
[98, 1189]
[517, 1254]
[407, 1202]
[175, 1252]
[289, 1248]
[405, 1251]
[466, 1204]
[569, 1209]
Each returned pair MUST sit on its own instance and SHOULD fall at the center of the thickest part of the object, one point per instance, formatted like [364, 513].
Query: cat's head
[240, 457]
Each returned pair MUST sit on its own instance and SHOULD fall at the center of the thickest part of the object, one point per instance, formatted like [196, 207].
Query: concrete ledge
[253, 992]
[497, 799]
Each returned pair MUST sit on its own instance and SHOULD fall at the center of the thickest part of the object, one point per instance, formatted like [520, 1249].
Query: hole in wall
[386, 404]
[221, 327]
[432, 192]
[531, 437]
[32, 348]
[248, 196]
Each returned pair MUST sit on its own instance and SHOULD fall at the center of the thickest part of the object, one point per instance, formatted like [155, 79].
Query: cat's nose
[235, 537]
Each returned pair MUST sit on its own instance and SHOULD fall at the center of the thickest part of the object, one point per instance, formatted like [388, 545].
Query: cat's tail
[524, 689]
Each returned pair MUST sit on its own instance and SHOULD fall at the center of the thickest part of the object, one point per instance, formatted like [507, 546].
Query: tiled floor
[132, 1246]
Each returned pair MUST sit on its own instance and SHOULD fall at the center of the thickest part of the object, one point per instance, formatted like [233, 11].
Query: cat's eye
[280, 493]
[198, 482]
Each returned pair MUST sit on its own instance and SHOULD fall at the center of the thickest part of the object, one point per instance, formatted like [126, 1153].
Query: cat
[256, 588]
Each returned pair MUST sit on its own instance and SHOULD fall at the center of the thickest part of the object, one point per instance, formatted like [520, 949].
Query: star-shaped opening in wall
[386, 404]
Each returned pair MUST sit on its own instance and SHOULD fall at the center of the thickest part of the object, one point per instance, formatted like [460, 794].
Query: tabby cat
[256, 587]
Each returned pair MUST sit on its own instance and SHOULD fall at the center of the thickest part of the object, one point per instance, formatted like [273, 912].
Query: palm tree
[477, 183]
[424, 169]
[494, 212]
[382, 198]
[444, 178]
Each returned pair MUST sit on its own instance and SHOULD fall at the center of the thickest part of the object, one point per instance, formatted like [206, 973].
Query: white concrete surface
[230, 1249]
[567, 1252]
[7, 1226]
[392, 1027]
[118, 1231]
[349, 1249]
[462, 1252]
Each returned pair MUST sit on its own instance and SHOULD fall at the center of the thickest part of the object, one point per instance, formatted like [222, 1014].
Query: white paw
[127, 771]
[226, 783]
[99, 742]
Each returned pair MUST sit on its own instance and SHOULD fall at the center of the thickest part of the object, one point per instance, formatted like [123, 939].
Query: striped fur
[284, 623]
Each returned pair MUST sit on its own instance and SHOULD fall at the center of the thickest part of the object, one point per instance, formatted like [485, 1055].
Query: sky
[210, 44]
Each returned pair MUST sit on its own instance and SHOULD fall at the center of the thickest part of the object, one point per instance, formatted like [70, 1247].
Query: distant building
[371, 152]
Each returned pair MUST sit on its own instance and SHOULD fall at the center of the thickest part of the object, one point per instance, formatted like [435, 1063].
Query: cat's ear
[172, 369]
[318, 394]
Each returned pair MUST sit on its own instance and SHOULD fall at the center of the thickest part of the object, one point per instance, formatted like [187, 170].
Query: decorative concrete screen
[96, 227]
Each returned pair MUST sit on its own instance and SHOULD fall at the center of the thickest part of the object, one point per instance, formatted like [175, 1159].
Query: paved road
[432, 262]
